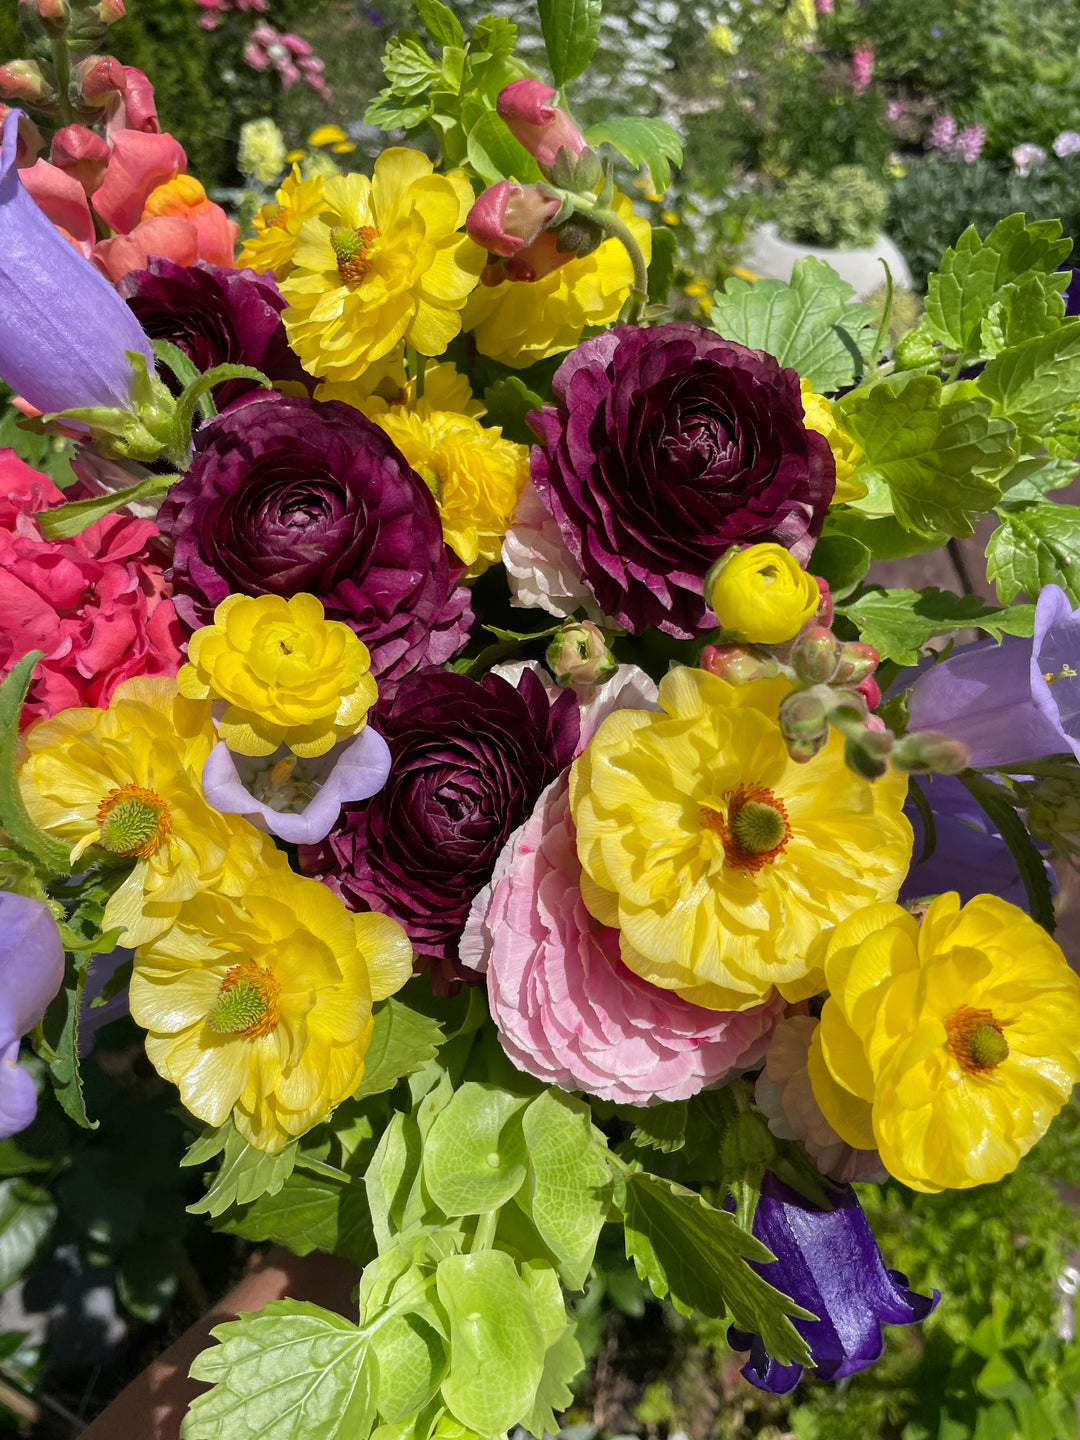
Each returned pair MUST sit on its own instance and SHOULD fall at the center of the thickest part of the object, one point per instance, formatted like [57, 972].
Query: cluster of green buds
[1052, 803]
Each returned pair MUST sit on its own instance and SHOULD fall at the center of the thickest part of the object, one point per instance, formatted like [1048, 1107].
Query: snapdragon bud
[804, 724]
[543, 129]
[824, 614]
[23, 80]
[867, 752]
[870, 691]
[737, 665]
[44, 17]
[579, 657]
[857, 661]
[927, 752]
[79, 152]
[815, 655]
[507, 218]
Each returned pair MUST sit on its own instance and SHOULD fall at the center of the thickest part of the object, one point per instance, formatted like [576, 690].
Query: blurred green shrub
[841, 211]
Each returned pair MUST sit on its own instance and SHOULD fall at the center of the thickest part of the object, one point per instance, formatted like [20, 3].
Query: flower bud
[867, 752]
[532, 263]
[870, 691]
[507, 218]
[928, 752]
[824, 615]
[82, 154]
[1053, 814]
[804, 724]
[578, 656]
[23, 80]
[737, 665]
[575, 172]
[857, 661]
[541, 128]
[31, 142]
[578, 236]
[816, 655]
[761, 594]
[45, 17]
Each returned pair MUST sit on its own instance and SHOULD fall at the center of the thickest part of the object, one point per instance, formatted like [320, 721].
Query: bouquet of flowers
[454, 684]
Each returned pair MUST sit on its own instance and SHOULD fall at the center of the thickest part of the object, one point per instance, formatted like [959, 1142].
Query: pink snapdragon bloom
[895, 110]
[94, 603]
[122, 92]
[291, 56]
[823, 7]
[507, 218]
[1067, 143]
[862, 69]
[542, 128]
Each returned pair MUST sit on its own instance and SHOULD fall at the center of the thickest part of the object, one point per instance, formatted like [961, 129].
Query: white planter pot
[770, 256]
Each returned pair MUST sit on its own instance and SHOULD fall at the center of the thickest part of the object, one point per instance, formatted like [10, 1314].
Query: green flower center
[975, 1039]
[352, 248]
[757, 827]
[988, 1046]
[246, 1003]
[133, 821]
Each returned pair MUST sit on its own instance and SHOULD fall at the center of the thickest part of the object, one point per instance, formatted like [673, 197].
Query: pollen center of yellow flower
[755, 829]
[246, 1003]
[353, 250]
[133, 821]
[976, 1039]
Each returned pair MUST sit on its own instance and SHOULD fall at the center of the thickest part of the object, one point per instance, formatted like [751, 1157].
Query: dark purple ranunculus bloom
[468, 759]
[31, 972]
[829, 1263]
[668, 446]
[216, 317]
[287, 495]
[1012, 702]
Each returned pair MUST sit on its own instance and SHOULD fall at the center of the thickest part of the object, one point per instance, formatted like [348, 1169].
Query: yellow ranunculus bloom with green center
[949, 1047]
[386, 261]
[262, 1008]
[277, 226]
[762, 595]
[718, 857]
[818, 415]
[290, 675]
[128, 779]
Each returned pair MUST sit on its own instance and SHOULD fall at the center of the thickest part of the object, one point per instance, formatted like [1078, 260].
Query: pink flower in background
[1067, 143]
[941, 134]
[862, 69]
[93, 603]
[1025, 156]
[289, 55]
[895, 110]
[823, 7]
[970, 142]
[212, 10]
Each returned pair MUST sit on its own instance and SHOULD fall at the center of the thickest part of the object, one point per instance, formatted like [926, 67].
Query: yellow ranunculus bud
[763, 595]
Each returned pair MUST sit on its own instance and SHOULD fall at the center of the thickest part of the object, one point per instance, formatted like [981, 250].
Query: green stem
[61, 58]
[618, 229]
[484, 1234]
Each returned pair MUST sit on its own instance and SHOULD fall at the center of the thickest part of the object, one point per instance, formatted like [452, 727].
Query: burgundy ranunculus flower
[668, 446]
[287, 495]
[468, 760]
[216, 317]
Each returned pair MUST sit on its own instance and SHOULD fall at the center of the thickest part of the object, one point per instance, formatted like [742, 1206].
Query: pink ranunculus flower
[542, 573]
[94, 603]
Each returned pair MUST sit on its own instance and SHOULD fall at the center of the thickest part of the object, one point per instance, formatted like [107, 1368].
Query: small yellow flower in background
[277, 226]
[718, 857]
[951, 1046]
[762, 595]
[521, 321]
[818, 415]
[262, 1008]
[262, 150]
[387, 262]
[670, 217]
[128, 779]
[327, 135]
[290, 675]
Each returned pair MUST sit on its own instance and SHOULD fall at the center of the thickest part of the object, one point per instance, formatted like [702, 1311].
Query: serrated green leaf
[26, 1217]
[975, 273]
[309, 1213]
[408, 67]
[652, 143]
[60, 1028]
[1033, 476]
[14, 817]
[440, 22]
[687, 1249]
[1023, 311]
[402, 1041]
[570, 29]
[508, 401]
[812, 325]
[292, 1372]
[496, 1341]
[898, 623]
[1035, 545]
[244, 1174]
[934, 451]
[495, 155]
[1033, 383]
[660, 1127]
[563, 1359]
[474, 1154]
[389, 113]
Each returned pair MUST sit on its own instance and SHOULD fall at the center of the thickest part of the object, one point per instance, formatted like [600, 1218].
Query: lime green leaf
[652, 143]
[930, 449]
[570, 29]
[811, 325]
[696, 1254]
[474, 1154]
[1035, 545]
[660, 1127]
[60, 1028]
[842, 561]
[309, 1213]
[497, 1343]
[508, 402]
[292, 1372]
[1034, 475]
[975, 273]
[392, 1178]
[563, 1359]
[1023, 311]
[440, 22]
[26, 1217]
[73, 517]
[389, 113]
[408, 67]
[569, 1184]
[402, 1041]
[14, 818]
[495, 155]
[244, 1174]
[898, 623]
[411, 1356]
[1031, 384]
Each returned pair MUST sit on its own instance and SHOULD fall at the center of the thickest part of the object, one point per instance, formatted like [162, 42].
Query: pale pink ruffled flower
[1067, 143]
[628, 689]
[786, 1100]
[567, 1010]
[543, 575]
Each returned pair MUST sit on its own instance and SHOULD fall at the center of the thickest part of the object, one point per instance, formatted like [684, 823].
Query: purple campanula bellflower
[31, 972]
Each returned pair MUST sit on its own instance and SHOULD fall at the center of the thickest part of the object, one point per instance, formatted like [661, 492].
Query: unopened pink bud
[506, 217]
[737, 665]
[928, 752]
[824, 614]
[857, 661]
[815, 655]
[579, 657]
[79, 152]
[870, 691]
[297, 45]
[23, 80]
[540, 127]
[99, 78]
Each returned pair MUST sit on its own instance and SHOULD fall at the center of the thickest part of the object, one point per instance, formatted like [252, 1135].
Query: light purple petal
[18, 1098]
[31, 962]
[1055, 649]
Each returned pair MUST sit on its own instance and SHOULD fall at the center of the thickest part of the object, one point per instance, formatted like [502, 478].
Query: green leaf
[63, 521]
[495, 155]
[1023, 311]
[390, 113]
[508, 401]
[408, 67]
[882, 535]
[975, 273]
[146, 1279]
[309, 1213]
[842, 561]
[811, 325]
[26, 1217]
[244, 1174]
[402, 1041]
[1013, 831]
[898, 623]
[660, 1127]
[14, 817]
[696, 1254]
[1035, 545]
[60, 1028]
[440, 22]
[652, 143]
[1033, 383]
[411, 1357]
[474, 1154]
[929, 449]
[662, 264]
[570, 29]
[292, 1372]
[1034, 475]
[496, 1341]
[563, 1359]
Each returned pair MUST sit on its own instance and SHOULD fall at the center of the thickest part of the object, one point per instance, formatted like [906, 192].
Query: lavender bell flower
[1012, 702]
[65, 330]
[295, 799]
[828, 1262]
[31, 972]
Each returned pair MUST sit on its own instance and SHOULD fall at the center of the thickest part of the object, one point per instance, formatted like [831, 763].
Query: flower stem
[618, 229]
[61, 58]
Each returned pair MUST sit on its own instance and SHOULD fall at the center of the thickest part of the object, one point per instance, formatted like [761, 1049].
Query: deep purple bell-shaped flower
[828, 1262]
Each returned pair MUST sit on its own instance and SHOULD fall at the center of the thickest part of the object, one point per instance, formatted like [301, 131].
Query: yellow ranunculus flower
[818, 415]
[718, 857]
[948, 1046]
[262, 1008]
[383, 387]
[129, 779]
[387, 261]
[290, 675]
[762, 595]
[277, 226]
[520, 321]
